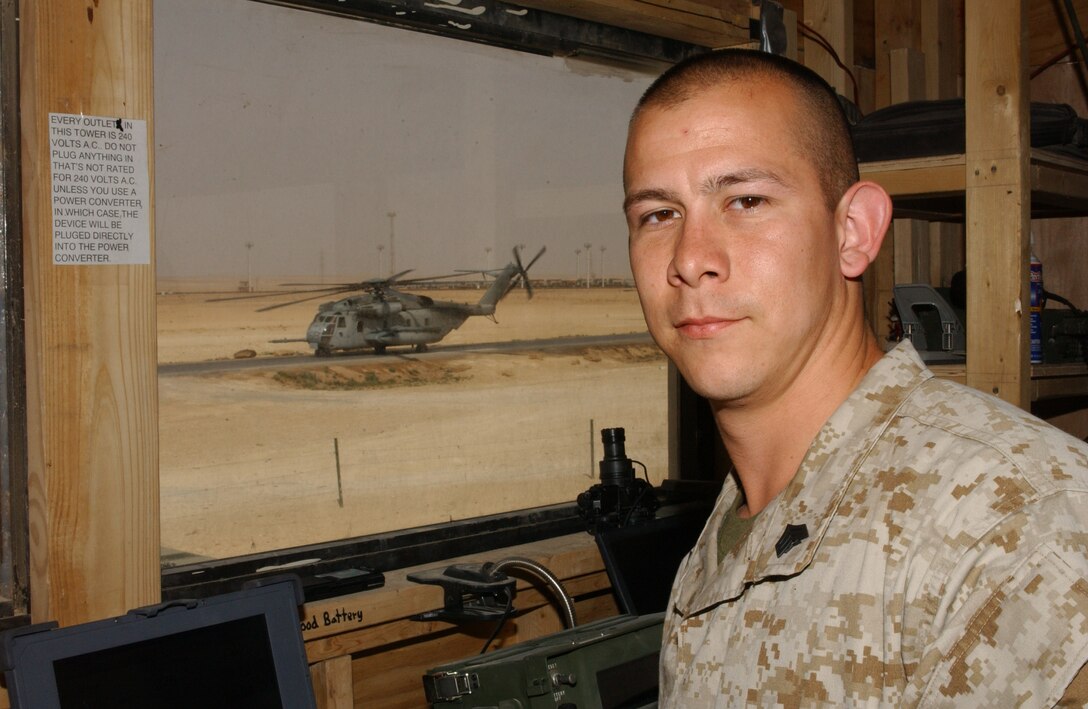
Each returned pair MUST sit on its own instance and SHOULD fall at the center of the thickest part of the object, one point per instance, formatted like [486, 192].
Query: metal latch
[448, 686]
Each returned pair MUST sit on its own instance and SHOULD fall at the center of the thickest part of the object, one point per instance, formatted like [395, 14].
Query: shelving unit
[995, 188]
[934, 189]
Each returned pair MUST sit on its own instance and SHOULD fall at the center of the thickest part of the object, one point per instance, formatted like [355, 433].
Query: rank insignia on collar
[791, 537]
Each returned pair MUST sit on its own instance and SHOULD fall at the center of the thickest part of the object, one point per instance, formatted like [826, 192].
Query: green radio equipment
[607, 664]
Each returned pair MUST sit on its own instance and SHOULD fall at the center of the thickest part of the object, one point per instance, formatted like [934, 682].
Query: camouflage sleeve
[1076, 694]
[1023, 637]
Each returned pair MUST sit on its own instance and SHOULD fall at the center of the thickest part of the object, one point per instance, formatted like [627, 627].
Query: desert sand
[323, 449]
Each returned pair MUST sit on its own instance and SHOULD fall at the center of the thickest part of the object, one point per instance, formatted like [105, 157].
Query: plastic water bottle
[1035, 273]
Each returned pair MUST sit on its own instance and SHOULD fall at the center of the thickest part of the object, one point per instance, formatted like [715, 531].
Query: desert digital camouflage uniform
[931, 551]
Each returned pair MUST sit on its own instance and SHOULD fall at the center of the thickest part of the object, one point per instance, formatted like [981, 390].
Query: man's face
[733, 247]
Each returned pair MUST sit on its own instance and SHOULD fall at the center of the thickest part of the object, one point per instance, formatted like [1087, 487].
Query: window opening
[474, 154]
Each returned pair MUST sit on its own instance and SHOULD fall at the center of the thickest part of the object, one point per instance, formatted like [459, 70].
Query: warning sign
[100, 190]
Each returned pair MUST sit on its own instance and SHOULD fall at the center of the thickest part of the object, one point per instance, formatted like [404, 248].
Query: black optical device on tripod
[619, 499]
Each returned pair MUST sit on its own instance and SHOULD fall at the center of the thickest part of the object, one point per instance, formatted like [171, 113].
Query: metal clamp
[448, 686]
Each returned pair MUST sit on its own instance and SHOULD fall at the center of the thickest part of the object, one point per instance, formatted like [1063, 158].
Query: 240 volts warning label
[101, 192]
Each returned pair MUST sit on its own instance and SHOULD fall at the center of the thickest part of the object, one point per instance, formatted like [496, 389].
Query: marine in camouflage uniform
[909, 542]
[931, 551]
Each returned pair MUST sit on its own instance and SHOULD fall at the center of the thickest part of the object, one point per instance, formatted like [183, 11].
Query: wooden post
[91, 350]
[998, 198]
[332, 683]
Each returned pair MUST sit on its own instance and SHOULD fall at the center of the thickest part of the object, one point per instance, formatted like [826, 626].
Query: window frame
[14, 531]
[542, 33]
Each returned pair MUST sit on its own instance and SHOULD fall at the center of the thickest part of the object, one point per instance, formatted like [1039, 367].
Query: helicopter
[383, 316]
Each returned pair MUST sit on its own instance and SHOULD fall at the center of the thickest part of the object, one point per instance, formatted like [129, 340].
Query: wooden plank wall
[389, 651]
[91, 350]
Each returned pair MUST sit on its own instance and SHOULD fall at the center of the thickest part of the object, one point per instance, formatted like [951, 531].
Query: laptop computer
[241, 649]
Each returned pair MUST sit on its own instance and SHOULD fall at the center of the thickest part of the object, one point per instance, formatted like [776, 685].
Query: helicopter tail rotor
[523, 271]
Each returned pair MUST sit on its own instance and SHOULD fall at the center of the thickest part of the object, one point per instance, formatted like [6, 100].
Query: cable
[1051, 62]
[1072, 13]
[507, 612]
[641, 494]
[539, 571]
[1047, 295]
[820, 40]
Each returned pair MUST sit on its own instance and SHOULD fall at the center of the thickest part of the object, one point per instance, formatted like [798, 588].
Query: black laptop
[241, 649]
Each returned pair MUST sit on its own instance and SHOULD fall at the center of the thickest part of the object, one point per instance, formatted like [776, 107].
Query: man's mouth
[703, 328]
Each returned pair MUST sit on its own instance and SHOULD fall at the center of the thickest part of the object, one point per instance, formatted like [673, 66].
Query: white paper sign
[101, 191]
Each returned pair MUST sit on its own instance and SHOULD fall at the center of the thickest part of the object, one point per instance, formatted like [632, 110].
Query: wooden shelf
[932, 188]
[709, 23]
[1048, 381]
[1055, 381]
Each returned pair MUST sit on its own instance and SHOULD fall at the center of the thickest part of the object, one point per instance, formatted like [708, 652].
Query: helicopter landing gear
[420, 348]
[322, 351]
[379, 349]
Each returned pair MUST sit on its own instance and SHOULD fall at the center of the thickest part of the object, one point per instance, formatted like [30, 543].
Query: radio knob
[568, 679]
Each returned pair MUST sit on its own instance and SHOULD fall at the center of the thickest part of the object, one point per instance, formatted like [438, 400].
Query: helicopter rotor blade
[535, 258]
[250, 296]
[326, 294]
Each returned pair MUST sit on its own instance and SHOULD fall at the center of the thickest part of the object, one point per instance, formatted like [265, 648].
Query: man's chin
[717, 383]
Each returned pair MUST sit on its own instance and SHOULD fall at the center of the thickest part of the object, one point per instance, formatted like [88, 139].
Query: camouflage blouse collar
[789, 530]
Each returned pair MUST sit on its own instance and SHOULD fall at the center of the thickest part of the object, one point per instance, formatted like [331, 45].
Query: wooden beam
[332, 683]
[896, 26]
[907, 68]
[998, 198]
[91, 352]
[943, 174]
[709, 23]
[940, 47]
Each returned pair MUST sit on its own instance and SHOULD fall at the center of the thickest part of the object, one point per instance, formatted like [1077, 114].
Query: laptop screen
[240, 649]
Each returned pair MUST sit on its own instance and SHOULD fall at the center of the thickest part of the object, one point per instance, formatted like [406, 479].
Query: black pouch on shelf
[927, 128]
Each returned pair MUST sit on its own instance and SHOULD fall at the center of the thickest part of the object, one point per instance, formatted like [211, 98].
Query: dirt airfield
[322, 449]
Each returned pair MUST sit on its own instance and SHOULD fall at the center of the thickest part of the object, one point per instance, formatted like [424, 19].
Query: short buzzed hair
[824, 137]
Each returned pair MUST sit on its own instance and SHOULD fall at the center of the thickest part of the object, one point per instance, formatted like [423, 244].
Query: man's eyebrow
[719, 182]
[710, 185]
[651, 194]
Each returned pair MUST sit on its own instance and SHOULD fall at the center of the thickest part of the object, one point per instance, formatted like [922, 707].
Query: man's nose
[699, 255]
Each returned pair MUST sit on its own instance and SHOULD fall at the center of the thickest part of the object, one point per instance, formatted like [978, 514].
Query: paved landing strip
[438, 350]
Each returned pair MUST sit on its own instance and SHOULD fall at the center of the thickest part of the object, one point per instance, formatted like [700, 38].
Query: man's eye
[659, 216]
[746, 202]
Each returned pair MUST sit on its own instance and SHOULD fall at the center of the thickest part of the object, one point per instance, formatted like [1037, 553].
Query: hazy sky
[299, 133]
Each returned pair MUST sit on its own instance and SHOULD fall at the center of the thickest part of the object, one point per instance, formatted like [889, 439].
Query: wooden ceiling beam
[709, 23]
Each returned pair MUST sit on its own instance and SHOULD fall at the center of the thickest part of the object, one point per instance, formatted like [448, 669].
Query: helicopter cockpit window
[480, 196]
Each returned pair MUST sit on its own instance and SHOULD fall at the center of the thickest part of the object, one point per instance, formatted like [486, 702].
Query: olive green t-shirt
[733, 527]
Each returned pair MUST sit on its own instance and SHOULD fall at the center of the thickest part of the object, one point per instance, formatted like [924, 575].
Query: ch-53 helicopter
[383, 316]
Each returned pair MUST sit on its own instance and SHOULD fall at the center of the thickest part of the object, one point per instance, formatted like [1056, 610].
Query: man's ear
[861, 219]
